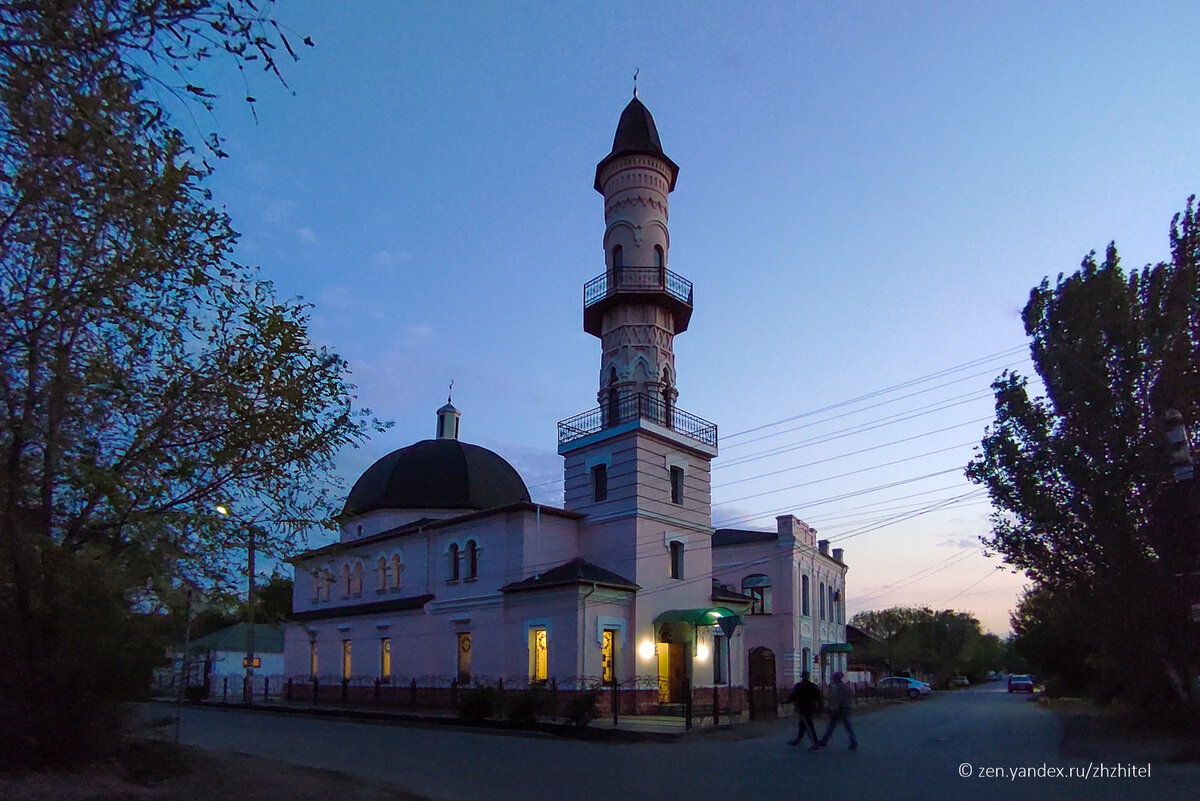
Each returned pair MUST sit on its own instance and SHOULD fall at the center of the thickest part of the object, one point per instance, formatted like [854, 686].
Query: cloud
[389, 259]
[336, 298]
[961, 543]
[278, 211]
[307, 235]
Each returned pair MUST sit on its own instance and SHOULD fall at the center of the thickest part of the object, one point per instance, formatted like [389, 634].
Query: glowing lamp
[701, 652]
[646, 649]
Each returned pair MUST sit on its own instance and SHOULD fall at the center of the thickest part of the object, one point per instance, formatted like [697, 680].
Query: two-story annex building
[445, 569]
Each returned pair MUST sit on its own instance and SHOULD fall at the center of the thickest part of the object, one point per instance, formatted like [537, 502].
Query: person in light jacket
[840, 699]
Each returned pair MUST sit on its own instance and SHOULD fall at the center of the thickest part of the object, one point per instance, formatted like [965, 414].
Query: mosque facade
[445, 570]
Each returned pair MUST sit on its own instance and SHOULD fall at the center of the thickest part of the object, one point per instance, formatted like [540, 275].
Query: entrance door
[672, 673]
[764, 696]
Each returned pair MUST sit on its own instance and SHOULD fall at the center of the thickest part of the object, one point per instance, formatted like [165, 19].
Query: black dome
[636, 134]
[437, 474]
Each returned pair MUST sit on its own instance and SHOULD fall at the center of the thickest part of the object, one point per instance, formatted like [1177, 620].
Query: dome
[437, 474]
[636, 134]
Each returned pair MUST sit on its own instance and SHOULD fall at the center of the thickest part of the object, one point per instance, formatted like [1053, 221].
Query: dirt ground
[187, 774]
[1117, 734]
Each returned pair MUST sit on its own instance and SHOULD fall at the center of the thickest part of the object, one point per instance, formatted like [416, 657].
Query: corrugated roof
[268, 639]
[576, 571]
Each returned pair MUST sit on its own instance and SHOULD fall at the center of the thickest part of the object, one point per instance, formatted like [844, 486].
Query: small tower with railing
[637, 464]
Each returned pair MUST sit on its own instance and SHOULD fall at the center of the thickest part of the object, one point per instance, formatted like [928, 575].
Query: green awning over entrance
[836, 648]
[704, 616]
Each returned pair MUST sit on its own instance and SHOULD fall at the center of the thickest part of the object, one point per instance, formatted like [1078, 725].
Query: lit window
[600, 482]
[385, 659]
[608, 656]
[312, 657]
[538, 655]
[346, 660]
[676, 559]
[676, 485]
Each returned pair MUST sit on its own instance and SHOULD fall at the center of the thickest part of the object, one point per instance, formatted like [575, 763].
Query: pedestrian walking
[840, 699]
[806, 697]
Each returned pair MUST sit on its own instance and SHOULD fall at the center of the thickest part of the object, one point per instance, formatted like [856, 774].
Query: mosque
[445, 570]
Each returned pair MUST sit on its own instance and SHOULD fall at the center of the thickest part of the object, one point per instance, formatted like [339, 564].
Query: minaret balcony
[639, 407]
[632, 285]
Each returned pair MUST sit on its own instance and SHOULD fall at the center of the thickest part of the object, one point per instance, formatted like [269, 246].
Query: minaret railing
[637, 407]
[637, 279]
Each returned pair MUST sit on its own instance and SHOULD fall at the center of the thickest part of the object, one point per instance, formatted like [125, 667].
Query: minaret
[638, 457]
[638, 306]
[637, 466]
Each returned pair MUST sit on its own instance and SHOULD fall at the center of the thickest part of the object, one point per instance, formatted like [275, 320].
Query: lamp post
[248, 661]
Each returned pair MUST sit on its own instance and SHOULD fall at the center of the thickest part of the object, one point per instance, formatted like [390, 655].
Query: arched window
[346, 580]
[614, 408]
[618, 261]
[821, 599]
[454, 561]
[383, 573]
[659, 258]
[358, 578]
[397, 566]
[326, 583]
[316, 581]
[804, 592]
[472, 559]
[758, 587]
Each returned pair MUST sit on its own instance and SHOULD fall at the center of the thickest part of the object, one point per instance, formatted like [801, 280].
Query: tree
[144, 377]
[941, 644]
[1074, 474]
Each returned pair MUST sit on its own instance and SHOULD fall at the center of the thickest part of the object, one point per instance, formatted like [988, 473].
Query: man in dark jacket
[807, 698]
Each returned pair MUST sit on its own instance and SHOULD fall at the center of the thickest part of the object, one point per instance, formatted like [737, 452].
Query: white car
[901, 685]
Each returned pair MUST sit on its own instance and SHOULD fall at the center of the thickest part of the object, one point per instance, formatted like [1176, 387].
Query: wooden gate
[764, 695]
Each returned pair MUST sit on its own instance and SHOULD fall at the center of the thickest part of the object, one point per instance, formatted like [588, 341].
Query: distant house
[798, 587]
[222, 652]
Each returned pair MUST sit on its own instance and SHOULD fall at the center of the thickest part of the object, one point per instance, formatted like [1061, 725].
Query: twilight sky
[867, 193]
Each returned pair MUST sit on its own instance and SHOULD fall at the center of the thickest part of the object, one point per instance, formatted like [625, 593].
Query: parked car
[1020, 683]
[962, 681]
[901, 685]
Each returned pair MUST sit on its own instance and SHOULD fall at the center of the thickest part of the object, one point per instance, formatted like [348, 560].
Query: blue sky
[867, 193]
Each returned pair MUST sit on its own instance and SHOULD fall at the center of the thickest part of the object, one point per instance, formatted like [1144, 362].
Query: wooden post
[716, 706]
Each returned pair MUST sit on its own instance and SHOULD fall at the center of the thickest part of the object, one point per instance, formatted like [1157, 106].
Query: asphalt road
[913, 751]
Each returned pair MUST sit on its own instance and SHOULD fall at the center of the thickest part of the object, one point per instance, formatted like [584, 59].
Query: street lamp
[249, 661]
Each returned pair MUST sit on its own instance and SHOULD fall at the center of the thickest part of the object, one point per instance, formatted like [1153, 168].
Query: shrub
[479, 703]
[527, 706]
[581, 710]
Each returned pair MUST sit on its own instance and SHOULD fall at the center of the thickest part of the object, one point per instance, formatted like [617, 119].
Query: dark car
[1020, 683]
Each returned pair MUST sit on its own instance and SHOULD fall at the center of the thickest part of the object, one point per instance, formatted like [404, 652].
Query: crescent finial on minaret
[635, 74]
